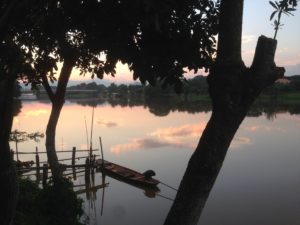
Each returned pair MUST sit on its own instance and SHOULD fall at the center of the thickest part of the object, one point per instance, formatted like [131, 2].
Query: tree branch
[47, 87]
[64, 78]
[5, 16]
[263, 67]
[230, 32]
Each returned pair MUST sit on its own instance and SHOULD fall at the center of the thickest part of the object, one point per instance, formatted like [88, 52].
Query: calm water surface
[259, 183]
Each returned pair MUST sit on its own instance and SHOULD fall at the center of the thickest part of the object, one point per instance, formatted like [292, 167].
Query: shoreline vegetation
[284, 95]
[287, 89]
[284, 90]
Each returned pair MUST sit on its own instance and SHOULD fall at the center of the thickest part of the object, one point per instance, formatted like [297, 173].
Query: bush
[55, 204]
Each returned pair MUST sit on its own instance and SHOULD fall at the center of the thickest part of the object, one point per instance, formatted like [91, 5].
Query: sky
[255, 23]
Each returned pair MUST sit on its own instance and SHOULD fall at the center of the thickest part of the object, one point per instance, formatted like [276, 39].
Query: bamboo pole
[17, 151]
[87, 169]
[37, 163]
[12, 154]
[73, 163]
[45, 174]
[73, 155]
[74, 173]
[102, 154]
[91, 138]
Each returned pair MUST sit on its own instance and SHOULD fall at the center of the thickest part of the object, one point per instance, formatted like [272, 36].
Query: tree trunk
[50, 140]
[8, 187]
[230, 32]
[233, 88]
[202, 170]
[231, 99]
[57, 100]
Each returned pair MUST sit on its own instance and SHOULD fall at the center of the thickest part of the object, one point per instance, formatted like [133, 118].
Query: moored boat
[127, 175]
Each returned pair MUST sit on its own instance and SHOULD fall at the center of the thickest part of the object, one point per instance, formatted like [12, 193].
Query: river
[259, 183]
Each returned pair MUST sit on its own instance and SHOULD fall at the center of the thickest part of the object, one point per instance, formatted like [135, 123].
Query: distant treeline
[292, 84]
[196, 85]
[191, 88]
[278, 98]
[164, 105]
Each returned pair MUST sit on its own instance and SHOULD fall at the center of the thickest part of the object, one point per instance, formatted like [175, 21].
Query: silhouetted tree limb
[233, 88]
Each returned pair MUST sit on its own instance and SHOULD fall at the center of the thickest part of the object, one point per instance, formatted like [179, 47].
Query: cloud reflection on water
[107, 123]
[36, 112]
[185, 137]
[146, 143]
[257, 128]
[194, 130]
[237, 142]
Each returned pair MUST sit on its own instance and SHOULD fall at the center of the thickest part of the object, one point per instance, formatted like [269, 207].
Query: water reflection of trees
[164, 105]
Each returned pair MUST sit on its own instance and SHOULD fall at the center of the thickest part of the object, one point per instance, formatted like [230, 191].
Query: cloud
[292, 118]
[293, 69]
[194, 130]
[257, 128]
[107, 123]
[146, 143]
[239, 141]
[185, 136]
[36, 112]
[137, 143]
[248, 39]
[84, 146]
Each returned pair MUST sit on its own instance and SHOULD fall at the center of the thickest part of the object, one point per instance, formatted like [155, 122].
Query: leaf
[290, 9]
[288, 13]
[273, 14]
[273, 4]
[100, 73]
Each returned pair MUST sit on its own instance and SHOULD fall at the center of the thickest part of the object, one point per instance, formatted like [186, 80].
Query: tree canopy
[157, 39]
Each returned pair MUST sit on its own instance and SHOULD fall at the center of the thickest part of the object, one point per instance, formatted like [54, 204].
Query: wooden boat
[126, 175]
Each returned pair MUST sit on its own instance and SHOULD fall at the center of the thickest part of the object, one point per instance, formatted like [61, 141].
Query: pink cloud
[36, 112]
[136, 144]
[256, 128]
[194, 130]
[185, 136]
[239, 141]
[107, 123]
[146, 143]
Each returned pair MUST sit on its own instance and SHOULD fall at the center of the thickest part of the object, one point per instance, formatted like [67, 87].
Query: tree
[281, 7]
[233, 88]
[14, 63]
[68, 44]
[148, 36]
